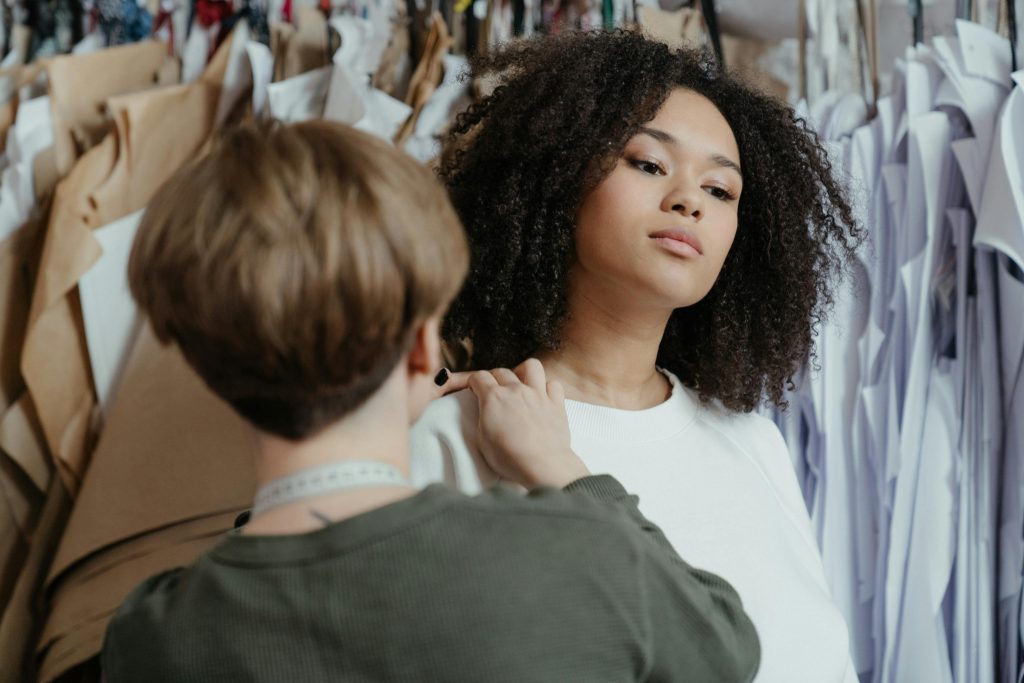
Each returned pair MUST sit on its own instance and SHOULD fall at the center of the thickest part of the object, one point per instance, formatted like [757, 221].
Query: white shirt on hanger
[1001, 228]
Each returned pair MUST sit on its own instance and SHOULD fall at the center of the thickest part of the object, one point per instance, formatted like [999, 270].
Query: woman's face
[659, 227]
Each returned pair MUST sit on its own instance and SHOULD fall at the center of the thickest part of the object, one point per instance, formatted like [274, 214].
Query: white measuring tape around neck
[317, 481]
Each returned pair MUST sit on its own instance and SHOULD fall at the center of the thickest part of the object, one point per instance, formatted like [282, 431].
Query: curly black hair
[519, 162]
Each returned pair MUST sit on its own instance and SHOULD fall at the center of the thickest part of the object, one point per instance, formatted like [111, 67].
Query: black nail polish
[441, 377]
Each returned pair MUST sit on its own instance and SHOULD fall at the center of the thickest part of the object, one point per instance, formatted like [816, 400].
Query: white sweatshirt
[722, 488]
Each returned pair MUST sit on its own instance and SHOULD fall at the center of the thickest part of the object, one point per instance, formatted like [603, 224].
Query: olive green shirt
[559, 586]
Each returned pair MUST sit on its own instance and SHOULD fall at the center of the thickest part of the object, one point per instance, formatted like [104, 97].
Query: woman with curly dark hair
[663, 238]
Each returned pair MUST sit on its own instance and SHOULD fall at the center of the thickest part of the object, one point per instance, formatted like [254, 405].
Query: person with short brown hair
[292, 267]
[303, 271]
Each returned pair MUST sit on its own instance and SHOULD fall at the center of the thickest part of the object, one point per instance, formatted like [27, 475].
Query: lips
[679, 241]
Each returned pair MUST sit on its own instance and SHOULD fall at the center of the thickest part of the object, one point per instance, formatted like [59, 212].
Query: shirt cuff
[601, 486]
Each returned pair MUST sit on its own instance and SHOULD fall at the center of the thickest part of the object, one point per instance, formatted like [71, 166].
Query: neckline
[338, 537]
[668, 418]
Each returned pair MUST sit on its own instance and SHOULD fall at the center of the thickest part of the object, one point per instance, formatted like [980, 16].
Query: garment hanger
[869, 31]
[518, 17]
[707, 8]
[1011, 20]
[801, 31]
[1006, 24]
[872, 32]
[917, 16]
[472, 29]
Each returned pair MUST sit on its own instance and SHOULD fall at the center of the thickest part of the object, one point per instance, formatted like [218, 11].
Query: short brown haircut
[292, 265]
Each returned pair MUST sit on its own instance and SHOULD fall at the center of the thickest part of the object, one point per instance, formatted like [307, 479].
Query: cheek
[723, 240]
[597, 247]
[601, 225]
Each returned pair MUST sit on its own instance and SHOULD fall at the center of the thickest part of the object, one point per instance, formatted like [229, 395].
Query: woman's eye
[720, 193]
[649, 167]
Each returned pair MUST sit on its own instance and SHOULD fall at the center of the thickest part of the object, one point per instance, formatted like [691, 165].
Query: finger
[481, 382]
[556, 392]
[505, 377]
[457, 381]
[531, 372]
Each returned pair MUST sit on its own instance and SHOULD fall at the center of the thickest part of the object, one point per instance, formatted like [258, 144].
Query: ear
[425, 355]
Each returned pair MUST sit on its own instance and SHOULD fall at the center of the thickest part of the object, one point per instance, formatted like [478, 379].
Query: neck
[608, 354]
[376, 431]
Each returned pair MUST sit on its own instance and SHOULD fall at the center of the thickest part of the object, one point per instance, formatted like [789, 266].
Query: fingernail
[441, 377]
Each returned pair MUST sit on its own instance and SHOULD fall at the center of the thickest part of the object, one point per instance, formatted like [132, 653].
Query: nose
[686, 199]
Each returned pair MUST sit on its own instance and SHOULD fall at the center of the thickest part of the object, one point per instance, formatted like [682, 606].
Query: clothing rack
[908, 436]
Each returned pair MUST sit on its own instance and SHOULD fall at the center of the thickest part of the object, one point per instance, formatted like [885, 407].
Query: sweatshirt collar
[675, 414]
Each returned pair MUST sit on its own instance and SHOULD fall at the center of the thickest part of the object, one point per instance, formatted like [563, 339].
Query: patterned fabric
[123, 21]
[55, 26]
[210, 12]
[255, 13]
[7, 17]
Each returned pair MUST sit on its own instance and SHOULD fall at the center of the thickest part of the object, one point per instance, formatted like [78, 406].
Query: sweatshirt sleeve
[696, 626]
[131, 644]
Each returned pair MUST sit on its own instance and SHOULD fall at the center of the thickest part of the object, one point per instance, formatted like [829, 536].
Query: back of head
[293, 264]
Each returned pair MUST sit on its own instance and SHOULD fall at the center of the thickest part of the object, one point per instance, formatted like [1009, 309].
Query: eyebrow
[662, 136]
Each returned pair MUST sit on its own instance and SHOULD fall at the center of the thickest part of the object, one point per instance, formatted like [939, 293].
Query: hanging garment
[878, 401]
[966, 359]
[681, 27]
[160, 416]
[973, 87]
[351, 98]
[306, 47]
[1001, 229]
[80, 84]
[54, 360]
[923, 522]
[20, 242]
[935, 477]
[178, 458]
[302, 97]
[261, 68]
[29, 136]
[123, 21]
[56, 26]
[32, 507]
[451, 97]
[109, 314]
[426, 77]
[237, 80]
[25, 467]
[912, 621]
[841, 512]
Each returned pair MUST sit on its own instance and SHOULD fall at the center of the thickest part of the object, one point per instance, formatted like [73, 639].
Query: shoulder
[140, 623]
[152, 593]
[443, 444]
[759, 440]
[447, 414]
[571, 518]
[748, 431]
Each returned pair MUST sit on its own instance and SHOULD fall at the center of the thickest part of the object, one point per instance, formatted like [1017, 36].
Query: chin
[685, 304]
[677, 294]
